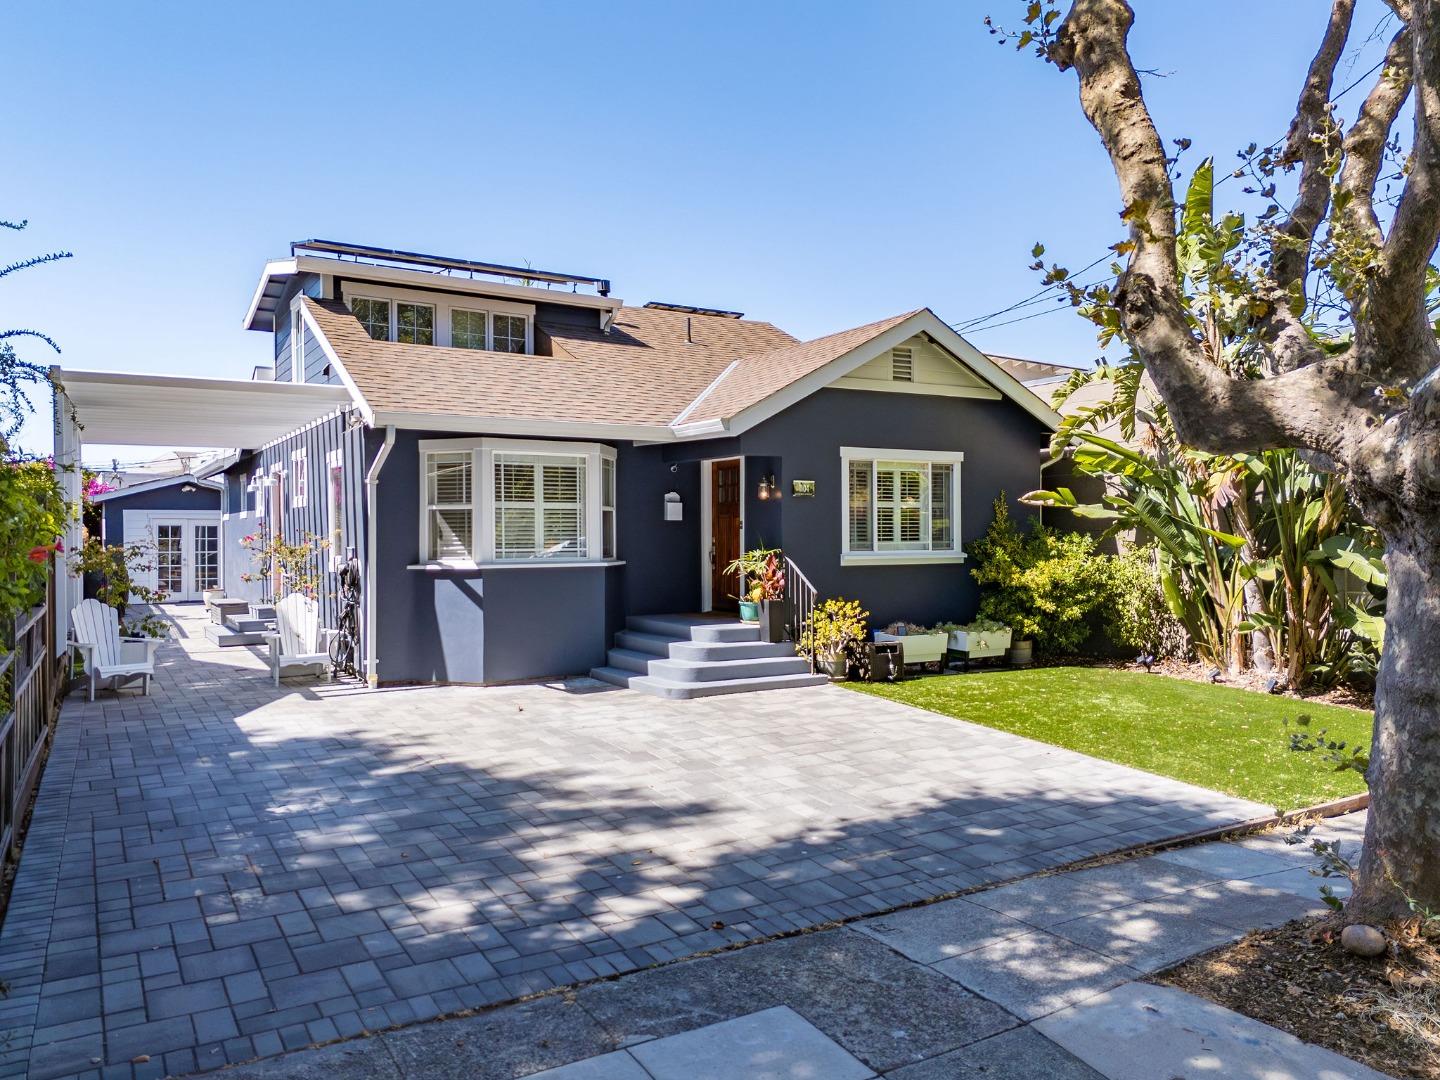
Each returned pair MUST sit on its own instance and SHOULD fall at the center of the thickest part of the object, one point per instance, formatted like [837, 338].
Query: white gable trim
[308, 321]
[925, 321]
[154, 485]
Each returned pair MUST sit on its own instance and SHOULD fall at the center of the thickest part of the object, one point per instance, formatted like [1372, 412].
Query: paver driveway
[223, 870]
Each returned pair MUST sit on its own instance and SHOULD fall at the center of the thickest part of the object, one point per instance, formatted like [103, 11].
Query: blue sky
[815, 165]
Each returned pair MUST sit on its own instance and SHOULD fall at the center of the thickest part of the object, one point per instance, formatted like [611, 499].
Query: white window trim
[482, 474]
[258, 479]
[297, 340]
[299, 477]
[955, 554]
[334, 519]
[443, 305]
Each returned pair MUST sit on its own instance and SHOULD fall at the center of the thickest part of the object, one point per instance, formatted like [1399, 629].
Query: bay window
[514, 501]
[900, 506]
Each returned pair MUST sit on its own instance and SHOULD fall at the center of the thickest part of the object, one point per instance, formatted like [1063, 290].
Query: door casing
[707, 526]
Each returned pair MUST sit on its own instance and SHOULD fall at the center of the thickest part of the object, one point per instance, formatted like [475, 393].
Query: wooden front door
[724, 533]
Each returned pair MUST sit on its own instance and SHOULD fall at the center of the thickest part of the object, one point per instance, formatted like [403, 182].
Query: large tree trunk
[1402, 836]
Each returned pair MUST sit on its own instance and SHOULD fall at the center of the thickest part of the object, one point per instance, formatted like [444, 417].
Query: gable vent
[902, 365]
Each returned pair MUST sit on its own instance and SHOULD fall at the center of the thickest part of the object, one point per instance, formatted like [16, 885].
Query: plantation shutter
[449, 493]
[942, 513]
[539, 507]
[861, 534]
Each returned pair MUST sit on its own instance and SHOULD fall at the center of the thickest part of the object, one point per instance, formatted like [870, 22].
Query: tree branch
[1396, 302]
[1364, 145]
[1307, 145]
[1210, 410]
[1310, 142]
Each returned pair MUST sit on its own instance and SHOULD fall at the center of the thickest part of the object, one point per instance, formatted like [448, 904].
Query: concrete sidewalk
[1037, 980]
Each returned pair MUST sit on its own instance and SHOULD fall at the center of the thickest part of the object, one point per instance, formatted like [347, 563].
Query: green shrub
[1044, 585]
[1135, 613]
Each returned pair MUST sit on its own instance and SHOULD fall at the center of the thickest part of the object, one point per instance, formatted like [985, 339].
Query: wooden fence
[30, 681]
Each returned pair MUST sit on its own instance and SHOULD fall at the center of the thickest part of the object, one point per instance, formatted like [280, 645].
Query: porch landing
[690, 656]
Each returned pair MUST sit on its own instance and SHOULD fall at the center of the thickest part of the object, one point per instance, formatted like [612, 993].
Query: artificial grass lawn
[1218, 737]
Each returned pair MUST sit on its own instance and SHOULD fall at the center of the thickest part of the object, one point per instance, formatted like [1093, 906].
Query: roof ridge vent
[690, 309]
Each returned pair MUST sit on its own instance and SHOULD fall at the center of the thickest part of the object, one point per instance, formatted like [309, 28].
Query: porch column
[68, 588]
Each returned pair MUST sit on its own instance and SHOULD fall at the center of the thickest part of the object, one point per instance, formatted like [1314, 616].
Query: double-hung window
[450, 505]
[900, 506]
[510, 501]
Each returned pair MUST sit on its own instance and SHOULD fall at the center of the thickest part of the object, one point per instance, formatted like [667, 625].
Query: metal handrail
[800, 600]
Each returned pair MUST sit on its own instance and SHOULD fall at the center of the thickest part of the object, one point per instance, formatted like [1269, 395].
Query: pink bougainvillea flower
[59, 547]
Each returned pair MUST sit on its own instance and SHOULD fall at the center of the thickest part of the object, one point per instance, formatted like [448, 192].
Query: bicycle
[345, 644]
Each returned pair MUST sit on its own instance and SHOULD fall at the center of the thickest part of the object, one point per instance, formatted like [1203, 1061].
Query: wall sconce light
[768, 488]
[187, 488]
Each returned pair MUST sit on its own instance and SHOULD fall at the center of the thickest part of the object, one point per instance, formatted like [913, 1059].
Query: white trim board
[706, 513]
[894, 557]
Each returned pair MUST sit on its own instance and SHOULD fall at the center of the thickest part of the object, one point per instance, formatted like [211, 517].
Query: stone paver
[224, 871]
[777, 1044]
[868, 1000]
[1037, 974]
[1140, 1032]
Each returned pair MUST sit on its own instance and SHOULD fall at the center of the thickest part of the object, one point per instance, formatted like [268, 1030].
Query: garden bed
[1218, 737]
[1383, 1012]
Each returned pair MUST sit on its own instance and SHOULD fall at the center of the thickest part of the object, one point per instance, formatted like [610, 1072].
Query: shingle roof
[758, 376]
[642, 372]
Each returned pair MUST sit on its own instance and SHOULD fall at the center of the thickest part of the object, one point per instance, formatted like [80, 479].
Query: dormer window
[414, 323]
[467, 329]
[493, 330]
[416, 319]
[508, 333]
[374, 315]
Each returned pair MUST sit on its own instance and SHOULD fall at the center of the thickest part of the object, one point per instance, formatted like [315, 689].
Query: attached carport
[168, 410]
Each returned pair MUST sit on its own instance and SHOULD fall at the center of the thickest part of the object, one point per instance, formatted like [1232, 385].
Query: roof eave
[273, 269]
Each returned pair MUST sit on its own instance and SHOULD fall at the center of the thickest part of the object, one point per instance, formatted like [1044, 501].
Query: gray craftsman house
[526, 467]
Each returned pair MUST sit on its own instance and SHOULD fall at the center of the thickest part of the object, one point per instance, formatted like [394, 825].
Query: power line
[974, 325]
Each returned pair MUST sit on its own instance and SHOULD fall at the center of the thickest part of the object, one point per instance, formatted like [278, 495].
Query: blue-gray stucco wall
[1002, 445]
[169, 497]
[484, 625]
[490, 625]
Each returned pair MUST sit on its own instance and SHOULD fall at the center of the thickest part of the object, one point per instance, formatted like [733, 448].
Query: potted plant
[772, 600]
[832, 634]
[918, 644]
[761, 581]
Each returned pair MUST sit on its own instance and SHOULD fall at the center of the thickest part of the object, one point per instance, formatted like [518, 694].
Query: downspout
[372, 486]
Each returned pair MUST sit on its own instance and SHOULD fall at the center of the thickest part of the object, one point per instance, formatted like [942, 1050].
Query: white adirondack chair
[108, 657]
[299, 639]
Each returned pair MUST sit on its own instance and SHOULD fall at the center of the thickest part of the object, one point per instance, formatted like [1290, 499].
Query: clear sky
[818, 165]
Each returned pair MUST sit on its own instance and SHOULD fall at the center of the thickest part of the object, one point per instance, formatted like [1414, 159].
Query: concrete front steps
[690, 656]
[236, 622]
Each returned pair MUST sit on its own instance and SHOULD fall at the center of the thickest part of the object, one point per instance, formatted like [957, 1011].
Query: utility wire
[974, 325]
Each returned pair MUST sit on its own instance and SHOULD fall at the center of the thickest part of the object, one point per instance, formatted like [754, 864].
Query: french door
[187, 558]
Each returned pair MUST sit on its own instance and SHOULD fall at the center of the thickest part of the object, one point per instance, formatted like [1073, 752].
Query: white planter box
[918, 648]
[980, 643]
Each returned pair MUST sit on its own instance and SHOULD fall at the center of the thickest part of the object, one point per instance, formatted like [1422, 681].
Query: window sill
[526, 564]
[901, 558]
